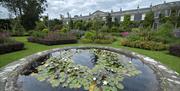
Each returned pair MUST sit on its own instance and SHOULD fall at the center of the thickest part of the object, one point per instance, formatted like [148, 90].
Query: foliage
[5, 24]
[57, 27]
[27, 10]
[64, 30]
[55, 24]
[175, 50]
[4, 37]
[17, 28]
[94, 37]
[45, 30]
[40, 25]
[7, 44]
[148, 45]
[108, 72]
[165, 30]
[90, 35]
[149, 19]
[52, 37]
[39, 34]
[114, 29]
[104, 28]
[126, 23]
[109, 20]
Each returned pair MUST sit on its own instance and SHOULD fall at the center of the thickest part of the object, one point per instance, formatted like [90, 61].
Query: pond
[87, 69]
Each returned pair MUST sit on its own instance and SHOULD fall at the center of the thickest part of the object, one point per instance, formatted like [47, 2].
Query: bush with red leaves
[175, 50]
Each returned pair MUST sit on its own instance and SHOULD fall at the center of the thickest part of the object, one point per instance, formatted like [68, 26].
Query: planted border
[10, 47]
[51, 42]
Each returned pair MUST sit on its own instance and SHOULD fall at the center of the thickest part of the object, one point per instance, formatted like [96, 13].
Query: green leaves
[107, 74]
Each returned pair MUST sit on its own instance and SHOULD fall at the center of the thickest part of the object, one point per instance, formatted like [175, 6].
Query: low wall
[170, 80]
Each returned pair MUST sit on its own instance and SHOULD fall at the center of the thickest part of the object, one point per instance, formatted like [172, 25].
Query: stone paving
[169, 79]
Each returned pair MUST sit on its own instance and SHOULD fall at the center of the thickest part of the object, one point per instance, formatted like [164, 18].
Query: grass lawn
[171, 61]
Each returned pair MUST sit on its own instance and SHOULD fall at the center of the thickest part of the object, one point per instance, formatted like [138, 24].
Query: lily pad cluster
[107, 74]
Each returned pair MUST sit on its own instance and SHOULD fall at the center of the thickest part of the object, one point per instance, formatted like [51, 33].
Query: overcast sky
[84, 7]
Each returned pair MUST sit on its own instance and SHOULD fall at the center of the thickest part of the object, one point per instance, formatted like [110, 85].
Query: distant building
[138, 14]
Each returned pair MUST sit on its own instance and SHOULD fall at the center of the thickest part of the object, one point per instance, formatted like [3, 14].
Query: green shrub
[90, 35]
[114, 29]
[64, 30]
[45, 30]
[104, 28]
[18, 29]
[148, 45]
[165, 30]
[102, 41]
[40, 25]
[86, 40]
[94, 37]
[39, 34]
[136, 30]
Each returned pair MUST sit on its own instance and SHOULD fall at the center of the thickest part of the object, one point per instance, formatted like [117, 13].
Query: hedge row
[10, 47]
[51, 42]
[148, 45]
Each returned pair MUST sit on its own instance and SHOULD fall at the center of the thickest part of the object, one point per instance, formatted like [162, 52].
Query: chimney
[111, 10]
[120, 9]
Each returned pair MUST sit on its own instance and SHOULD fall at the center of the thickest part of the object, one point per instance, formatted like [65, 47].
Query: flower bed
[98, 38]
[7, 44]
[53, 38]
[10, 47]
[175, 50]
[148, 45]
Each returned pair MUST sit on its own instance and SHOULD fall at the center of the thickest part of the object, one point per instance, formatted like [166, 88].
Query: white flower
[94, 78]
[130, 62]
[105, 82]
[76, 68]
[68, 70]
[46, 65]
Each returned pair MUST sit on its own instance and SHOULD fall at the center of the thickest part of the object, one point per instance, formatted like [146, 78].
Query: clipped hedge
[148, 45]
[175, 50]
[10, 47]
[51, 42]
[52, 38]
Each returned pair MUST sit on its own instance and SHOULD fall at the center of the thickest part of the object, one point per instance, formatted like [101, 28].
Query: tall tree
[28, 11]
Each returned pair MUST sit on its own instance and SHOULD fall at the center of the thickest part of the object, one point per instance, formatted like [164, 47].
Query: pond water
[145, 81]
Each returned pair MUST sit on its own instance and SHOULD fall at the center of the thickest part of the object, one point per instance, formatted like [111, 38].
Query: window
[167, 13]
[122, 18]
[132, 17]
[113, 19]
[157, 14]
[143, 16]
[104, 18]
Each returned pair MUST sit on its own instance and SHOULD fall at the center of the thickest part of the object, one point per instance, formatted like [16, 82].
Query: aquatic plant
[107, 74]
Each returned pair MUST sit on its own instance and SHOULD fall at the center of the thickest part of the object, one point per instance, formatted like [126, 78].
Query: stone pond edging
[170, 80]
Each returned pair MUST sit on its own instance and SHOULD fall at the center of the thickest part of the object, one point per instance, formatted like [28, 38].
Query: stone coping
[169, 79]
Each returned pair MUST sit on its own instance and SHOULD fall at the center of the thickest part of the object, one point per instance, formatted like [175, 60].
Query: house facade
[137, 14]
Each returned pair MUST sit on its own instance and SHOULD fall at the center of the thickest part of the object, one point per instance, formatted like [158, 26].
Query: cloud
[84, 7]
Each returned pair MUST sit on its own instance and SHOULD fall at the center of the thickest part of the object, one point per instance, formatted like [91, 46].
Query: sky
[84, 7]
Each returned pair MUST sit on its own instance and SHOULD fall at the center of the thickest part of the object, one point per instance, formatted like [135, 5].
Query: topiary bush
[175, 50]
